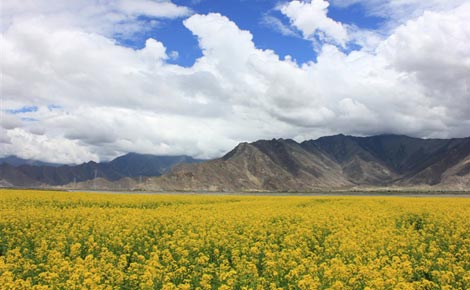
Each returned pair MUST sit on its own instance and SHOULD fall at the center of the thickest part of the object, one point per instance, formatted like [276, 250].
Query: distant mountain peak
[239, 149]
[17, 161]
[337, 161]
[128, 165]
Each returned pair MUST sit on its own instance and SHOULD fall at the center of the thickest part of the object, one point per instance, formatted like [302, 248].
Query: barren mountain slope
[280, 165]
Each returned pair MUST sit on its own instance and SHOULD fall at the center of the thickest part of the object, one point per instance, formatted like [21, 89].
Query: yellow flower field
[62, 240]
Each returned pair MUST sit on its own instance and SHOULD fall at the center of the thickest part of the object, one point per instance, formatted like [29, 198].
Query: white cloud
[109, 17]
[165, 9]
[30, 146]
[397, 12]
[435, 50]
[278, 25]
[115, 100]
[311, 18]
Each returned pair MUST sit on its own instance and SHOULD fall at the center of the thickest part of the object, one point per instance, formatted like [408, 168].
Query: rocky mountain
[334, 162]
[394, 159]
[276, 165]
[17, 161]
[129, 165]
[134, 165]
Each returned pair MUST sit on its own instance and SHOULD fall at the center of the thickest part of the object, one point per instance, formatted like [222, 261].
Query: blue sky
[91, 79]
[248, 15]
[24, 109]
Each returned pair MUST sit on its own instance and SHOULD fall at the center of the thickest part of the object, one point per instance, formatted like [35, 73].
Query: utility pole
[94, 179]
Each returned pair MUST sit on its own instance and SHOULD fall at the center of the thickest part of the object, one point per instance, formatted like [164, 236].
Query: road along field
[62, 240]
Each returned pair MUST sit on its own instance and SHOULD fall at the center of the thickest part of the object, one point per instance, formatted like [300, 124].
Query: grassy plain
[64, 240]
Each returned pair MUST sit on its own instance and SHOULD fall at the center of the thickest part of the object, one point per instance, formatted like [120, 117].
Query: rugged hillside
[334, 162]
[393, 159]
[133, 164]
[277, 165]
[12, 176]
[129, 165]
[447, 160]
[329, 162]
[457, 176]
[359, 165]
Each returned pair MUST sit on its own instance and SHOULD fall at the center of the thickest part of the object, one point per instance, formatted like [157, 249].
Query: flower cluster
[65, 240]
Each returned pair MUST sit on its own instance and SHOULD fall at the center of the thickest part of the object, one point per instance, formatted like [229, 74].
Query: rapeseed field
[65, 240]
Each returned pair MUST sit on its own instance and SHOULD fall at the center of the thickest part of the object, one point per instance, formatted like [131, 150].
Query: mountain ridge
[17, 161]
[337, 161]
[330, 162]
[130, 165]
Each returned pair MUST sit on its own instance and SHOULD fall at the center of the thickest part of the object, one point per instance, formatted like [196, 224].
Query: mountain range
[17, 172]
[17, 161]
[333, 162]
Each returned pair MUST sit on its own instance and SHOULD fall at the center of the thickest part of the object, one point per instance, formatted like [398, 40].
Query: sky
[94, 79]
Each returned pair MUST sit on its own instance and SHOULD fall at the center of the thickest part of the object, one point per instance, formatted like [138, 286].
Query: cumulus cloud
[432, 49]
[110, 17]
[108, 99]
[398, 12]
[165, 9]
[311, 18]
[28, 145]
